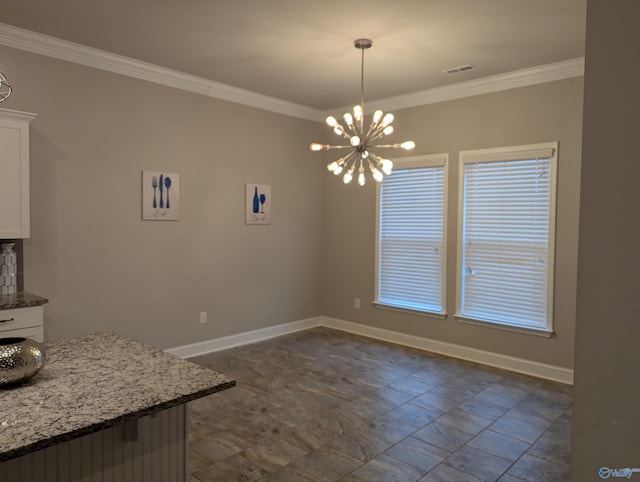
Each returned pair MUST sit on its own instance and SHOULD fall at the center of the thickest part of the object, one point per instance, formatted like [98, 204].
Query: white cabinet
[14, 173]
[23, 322]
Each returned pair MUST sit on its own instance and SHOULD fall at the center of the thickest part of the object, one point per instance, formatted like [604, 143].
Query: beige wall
[545, 112]
[606, 420]
[102, 267]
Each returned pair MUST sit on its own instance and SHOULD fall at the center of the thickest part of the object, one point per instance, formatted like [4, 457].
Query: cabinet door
[14, 174]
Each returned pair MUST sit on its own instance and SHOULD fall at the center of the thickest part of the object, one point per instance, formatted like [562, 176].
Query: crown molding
[17, 115]
[27, 40]
[494, 83]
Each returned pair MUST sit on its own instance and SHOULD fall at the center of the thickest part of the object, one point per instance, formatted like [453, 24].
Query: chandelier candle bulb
[348, 176]
[408, 145]
[357, 112]
[387, 119]
[387, 166]
[361, 140]
[377, 175]
[361, 179]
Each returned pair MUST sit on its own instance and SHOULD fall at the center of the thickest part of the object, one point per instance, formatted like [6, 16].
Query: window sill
[500, 326]
[402, 309]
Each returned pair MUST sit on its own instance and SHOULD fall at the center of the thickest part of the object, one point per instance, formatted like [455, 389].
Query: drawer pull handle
[4, 321]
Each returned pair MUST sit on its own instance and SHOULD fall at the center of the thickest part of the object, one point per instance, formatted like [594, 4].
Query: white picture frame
[160, 196]
[258, 203]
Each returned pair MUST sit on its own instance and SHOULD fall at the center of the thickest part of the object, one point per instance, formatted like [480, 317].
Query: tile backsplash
[19, 252]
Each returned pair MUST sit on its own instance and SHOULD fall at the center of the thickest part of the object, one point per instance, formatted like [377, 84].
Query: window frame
[406, 163]
[512, 153]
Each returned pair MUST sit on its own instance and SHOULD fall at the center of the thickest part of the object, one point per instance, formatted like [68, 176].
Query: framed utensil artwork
[258, 204]
[160, 196]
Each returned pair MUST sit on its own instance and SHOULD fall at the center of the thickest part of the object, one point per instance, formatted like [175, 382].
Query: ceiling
[302, 50]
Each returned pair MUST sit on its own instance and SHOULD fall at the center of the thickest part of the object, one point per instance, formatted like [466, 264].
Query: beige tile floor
[323, 405]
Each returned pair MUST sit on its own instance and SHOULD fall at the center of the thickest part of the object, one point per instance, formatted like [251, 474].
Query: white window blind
[507, 236]
[411, 234]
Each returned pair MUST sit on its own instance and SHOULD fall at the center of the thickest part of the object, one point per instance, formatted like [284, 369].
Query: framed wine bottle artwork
[258, 204]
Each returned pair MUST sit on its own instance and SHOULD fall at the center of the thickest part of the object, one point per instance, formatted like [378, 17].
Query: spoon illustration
[167, 183]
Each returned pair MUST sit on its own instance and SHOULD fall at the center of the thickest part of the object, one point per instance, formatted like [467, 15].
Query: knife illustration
[160, 188]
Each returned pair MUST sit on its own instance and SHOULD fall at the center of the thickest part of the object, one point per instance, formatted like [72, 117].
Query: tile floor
[323, 405]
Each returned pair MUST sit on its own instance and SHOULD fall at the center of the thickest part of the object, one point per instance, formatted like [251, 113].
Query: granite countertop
[21, 299]
[95, 382]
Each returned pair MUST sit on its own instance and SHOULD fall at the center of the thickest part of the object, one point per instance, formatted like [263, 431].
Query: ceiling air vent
[459, 69]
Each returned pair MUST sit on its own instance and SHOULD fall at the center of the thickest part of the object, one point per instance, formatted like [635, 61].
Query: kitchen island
[104, 407]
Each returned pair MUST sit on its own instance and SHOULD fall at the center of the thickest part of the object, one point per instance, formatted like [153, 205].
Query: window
[411, 247]
[506, 236]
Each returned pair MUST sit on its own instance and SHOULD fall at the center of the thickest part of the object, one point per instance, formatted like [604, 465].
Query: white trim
[518, 365]
[426, 160]
[29, 41]
[411, 162]
[525, 330]
[403, 309]
[545, 150]
[541, 150]
[72, 52]
[520, 78]
[217, 344]
[17, 115]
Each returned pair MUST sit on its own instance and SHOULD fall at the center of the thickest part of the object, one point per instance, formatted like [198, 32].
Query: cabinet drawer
[21, 318]
[35, 333]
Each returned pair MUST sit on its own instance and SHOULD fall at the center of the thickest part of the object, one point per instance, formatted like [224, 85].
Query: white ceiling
[302, 50]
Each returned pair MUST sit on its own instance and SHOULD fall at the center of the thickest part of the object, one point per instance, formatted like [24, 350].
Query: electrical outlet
[203, 317]
[356, 302]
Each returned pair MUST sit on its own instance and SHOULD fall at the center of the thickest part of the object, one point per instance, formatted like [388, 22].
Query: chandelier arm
[384, 165]
[349, 166]
[328, 147]
[377, 132]
[351, 159]
[397, 145]
[353, 129]
[339, 165]
[344, 133]
[372, 128]
[375, 136]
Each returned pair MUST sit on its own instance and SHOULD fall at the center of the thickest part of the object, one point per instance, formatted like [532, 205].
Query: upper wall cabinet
[14, 173]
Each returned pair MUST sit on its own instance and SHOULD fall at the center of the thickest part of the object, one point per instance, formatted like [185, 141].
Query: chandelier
[360, 141]
[5, 88]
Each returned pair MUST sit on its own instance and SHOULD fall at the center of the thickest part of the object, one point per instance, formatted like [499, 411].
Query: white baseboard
[519, 365]
[217, 344]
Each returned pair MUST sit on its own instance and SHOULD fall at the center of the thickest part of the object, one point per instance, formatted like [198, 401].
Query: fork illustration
[154, 183]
